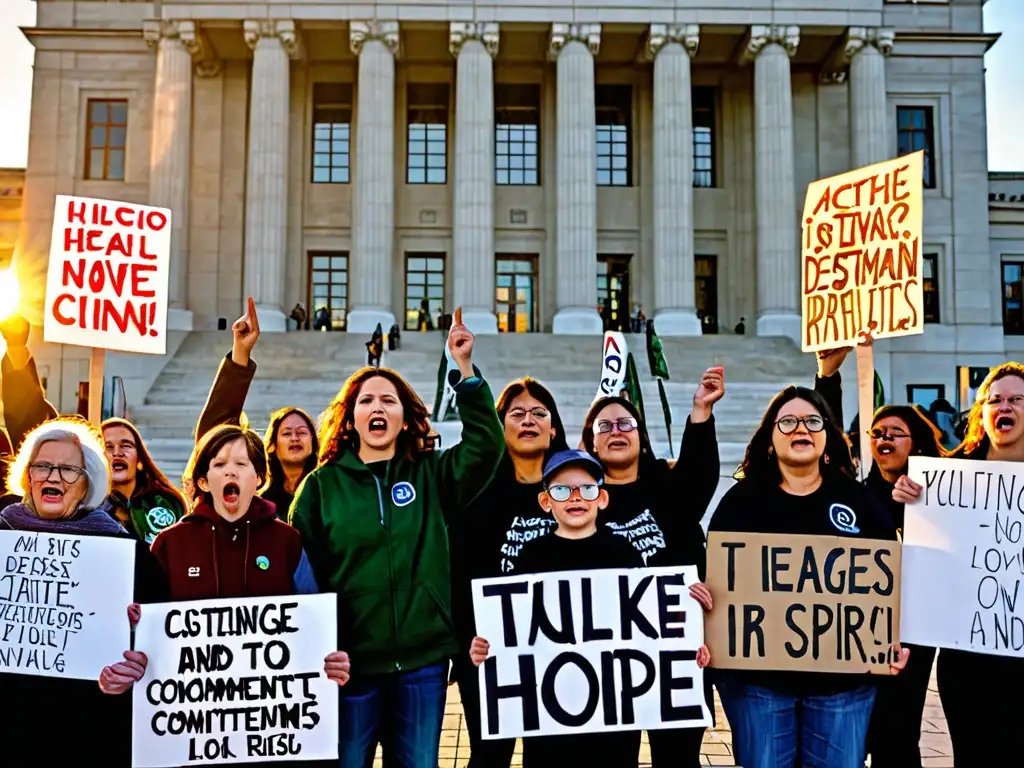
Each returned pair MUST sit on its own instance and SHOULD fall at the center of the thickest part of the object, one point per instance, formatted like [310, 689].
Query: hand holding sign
[710, 391]
[906, 491]
[460, 344]
[478, 651]
[246, 330]
[337, 667]
[702, 595]
[831, 360]
[118, 678]
[900, 657]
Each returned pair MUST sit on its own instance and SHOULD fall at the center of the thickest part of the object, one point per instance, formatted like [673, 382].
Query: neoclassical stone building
[538, 164]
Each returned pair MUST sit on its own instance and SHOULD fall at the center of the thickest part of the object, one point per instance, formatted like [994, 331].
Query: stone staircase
[307, 369]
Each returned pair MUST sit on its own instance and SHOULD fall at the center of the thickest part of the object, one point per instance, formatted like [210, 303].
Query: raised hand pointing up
[460, 344]
[246, 330]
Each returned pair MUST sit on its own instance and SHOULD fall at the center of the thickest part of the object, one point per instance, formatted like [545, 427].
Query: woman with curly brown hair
[373, 518]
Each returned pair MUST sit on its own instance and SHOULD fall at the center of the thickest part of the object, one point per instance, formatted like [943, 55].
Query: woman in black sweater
[487, 538]
[796, 478]
[658, 507]
[897, 433]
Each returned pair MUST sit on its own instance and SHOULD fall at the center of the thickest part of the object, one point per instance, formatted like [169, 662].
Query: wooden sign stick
[97, 362]
[865, 403]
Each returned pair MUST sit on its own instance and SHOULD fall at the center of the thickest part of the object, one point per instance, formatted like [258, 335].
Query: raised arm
[829, 382]
[226, 400]
[465, 469]
[25, 403]
[694, 476]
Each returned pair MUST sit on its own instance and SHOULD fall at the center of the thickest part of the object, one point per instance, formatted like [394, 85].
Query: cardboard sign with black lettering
[590, 651]
[802, 603]
[64, 603]
[236, 681]
[963, 556]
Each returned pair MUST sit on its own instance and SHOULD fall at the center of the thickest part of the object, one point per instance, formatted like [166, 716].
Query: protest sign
[963, 556]
[236, 681]
[862, 255]
[106, 286]
[64, 603]
[613, 365]
[802, 603]
[589, 652]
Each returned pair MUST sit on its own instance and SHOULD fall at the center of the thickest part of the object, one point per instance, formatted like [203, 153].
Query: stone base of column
[576, 321]
[779, 324]
[365, 321]
[480, 323]
[677, 322]
[272, 319]
[179, 320]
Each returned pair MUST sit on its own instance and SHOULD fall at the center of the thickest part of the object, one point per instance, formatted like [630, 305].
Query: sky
[1004, 63]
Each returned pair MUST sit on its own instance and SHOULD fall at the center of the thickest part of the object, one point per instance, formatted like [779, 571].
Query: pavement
[936, 750]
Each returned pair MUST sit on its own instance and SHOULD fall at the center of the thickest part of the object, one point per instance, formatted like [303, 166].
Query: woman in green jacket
[373, 519]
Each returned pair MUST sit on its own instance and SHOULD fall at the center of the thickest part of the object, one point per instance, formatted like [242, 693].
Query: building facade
[540, 165]
[12, 185]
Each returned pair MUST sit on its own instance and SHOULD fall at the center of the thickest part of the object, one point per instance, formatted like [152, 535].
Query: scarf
[87, 522]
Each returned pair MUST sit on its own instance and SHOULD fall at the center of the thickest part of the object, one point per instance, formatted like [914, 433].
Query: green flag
[636, 396]
[442, 377]
[879, 392]
[656, 353]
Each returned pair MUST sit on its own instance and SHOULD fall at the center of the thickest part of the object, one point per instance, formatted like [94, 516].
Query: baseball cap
[573, 458]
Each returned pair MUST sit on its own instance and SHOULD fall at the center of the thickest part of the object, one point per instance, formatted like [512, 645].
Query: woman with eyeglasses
[658, 507]
[487, 537]
[797, 478]
[995, 432]
[897, 433]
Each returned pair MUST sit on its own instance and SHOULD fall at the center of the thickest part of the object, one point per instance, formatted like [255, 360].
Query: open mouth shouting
[618, 444]
[528, 434]
[1005, 423]
[378, 426]
[886, 449]
[577, 510]
[232, 493]
[51, 494]
[118, 466]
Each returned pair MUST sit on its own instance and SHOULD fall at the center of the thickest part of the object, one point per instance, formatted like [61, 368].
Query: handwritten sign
[590, 652]
[862, 255]
[106, 286]
[810, 603]
[236, 681]
[963, 556]
[64, 603]
[613, 365]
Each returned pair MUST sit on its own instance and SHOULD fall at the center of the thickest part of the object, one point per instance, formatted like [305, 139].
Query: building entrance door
[613, 292]
[706, 289]
[514, 293]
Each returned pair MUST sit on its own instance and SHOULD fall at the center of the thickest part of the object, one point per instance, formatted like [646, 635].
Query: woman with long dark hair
[373, 517]
[290, 439]
[658, 507]
[141, 497]
[897, 432]
[797, 478]
[995, 432]
[488, 536]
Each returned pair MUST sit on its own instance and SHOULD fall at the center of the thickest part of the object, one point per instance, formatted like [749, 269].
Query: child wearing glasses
[573, 494]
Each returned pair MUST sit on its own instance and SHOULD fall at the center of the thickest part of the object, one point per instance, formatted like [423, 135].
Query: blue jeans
[774, 730]
[402, 712]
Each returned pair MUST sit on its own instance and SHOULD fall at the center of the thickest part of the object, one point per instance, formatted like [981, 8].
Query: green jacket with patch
[382, 543]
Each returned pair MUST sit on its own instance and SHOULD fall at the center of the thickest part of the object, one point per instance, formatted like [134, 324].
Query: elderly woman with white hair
[62, 476]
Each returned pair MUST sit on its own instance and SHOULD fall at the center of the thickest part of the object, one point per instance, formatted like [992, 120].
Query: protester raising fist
[460, 344]
[710, 391]
[245, 330]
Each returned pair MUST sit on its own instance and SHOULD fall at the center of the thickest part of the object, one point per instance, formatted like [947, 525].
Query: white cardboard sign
[64, 603]
[590, 652]
[614, 351]
[107, 281]
[236, 681]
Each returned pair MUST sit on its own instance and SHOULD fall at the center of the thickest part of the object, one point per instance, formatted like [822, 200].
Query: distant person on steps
[290, 439]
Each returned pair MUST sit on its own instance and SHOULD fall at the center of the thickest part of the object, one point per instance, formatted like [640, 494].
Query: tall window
[427, 145]
[703, 136]
[106, 133]
[613, 292]
[515, 279]
[915, 131]
[614, 134]
[332, 133]
[328, 286]
[930, 284]
[424, 290]
[517, 134]
[1013, 297]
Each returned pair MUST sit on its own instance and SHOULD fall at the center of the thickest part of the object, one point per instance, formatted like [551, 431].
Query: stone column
[375, 43]
[170, 148]
[778, 244]
[671, 46]
[866, 50]
[266, 184]
[474, 46]
[573, 46]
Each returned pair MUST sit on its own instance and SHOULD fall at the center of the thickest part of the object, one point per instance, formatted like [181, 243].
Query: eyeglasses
[41, 472]
[623, 425]
[518, 414]
[787, 424]
[1014, 401]
[588, 492]
[887, 434]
